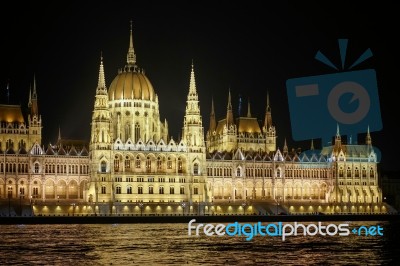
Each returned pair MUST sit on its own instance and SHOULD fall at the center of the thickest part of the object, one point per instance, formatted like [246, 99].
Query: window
[159, 163]
[238, 172]
[148, 164]
[195, 190]
[103, 167]
[116, 164]
[371, 172]
[36, 168]
[171, 190]
[118, 190]
[161, 179]
[169, 163]
[129, 190]
[196, 180]
[348, 172]
[196, 169]
[140, 190]
[171, 180]
[35, 191]
[179, 165]
[357, 172]
[118, 179]
[150, 179]
[182, 190]
[140, 179]
[137, 162]
[161, 190]
[103, 190]
[151, 191]
[127, 164]
[364, 173]
[341, 172]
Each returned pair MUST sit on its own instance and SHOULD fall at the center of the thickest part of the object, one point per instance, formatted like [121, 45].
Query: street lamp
[141, 208]
[244, 207]
[9, 200]
[20, 202]
[277, 204]
[183, 208]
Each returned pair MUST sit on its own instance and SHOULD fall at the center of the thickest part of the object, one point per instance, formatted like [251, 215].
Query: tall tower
[101, 139]
[269, 129]
[193, 136]
[193, 132]
[34, 119]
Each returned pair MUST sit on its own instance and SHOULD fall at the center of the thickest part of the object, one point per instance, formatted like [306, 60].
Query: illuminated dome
[131, 84]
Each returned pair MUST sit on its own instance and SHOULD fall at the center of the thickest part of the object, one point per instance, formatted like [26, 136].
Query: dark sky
[251, 48]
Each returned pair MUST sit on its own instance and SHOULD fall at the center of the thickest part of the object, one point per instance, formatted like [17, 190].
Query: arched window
[348, 172]
[137, 162]
[129, 190]
[137, 132]
[36, 168]
[238, 172]
[118, 190]
[103, 166]
[169, 163]
[159, 163]
[179, 165]
[278, 172]
[196, 169]
[148, 164]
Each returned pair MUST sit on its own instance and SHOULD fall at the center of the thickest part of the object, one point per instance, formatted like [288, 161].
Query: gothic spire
[34, 94]
[368, 139]
[268, 115]
[229, 113]
[101, 85]
[192, 86]
[248, 108]
[213, 123]
[131, 56]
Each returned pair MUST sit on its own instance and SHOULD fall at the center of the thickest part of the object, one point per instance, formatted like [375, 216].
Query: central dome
[131, 84]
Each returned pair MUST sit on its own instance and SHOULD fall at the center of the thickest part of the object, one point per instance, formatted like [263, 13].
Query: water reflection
[160, 244]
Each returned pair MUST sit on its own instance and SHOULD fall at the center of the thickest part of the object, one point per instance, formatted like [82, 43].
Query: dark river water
[163, 244]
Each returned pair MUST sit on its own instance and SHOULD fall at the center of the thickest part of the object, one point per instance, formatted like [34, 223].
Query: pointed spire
[131, 56]
[248, 108]
[268, 107]
[192, 86]
[338, 138]
[285, 148]
[337, 130]
[59, 133]
[229, 113]
[368, 139]
[268, 115]
[312, 144]
[34, 99]
[101, 85]
[34, 94]
[213, 123]
[229, 101]
[30, 96]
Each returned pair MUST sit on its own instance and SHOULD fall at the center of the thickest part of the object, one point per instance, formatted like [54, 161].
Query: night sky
[248, 47]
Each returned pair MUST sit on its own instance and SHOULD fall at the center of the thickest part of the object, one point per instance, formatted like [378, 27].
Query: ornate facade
[32, 172]
[132, 159]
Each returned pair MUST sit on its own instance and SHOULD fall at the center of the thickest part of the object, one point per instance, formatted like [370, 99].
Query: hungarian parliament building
[131, 158]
